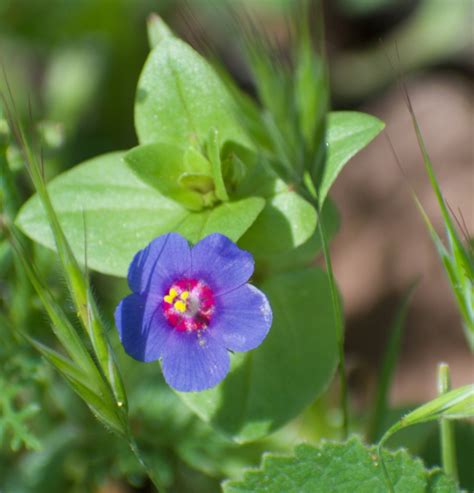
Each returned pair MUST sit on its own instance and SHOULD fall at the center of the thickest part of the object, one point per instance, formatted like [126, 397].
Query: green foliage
[348, 467]
[180, 98]
[14, 421]
[183, 175]
[455, 404]
[347, 133]
[431, 452]
[123, 214]
[296, 360]
[306, 252]
[457, 258]
[91, 372]
[288, 219]
[387, 371]
[209, 160]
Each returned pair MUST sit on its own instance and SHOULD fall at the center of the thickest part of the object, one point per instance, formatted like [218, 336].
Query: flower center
[189, 305]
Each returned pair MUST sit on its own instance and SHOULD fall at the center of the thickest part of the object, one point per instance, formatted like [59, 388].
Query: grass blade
[77, 282]
[388, 368]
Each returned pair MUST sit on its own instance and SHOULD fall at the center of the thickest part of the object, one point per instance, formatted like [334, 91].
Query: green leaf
[285, 223]
[272, 384]
[91, 389]
[180, 98]
[169, 168]
[348, 467]
[123, 213]
[157, 30]
[288, 219]
[305, 253]
[455, 404]
[231, 219]
[347, 133]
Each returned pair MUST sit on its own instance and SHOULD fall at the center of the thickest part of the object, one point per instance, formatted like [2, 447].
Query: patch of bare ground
[383, 244]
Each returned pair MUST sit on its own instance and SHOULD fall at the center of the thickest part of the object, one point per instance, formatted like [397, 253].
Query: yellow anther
[171, 296]
[184, 295]
[180, 306]
[173, 292]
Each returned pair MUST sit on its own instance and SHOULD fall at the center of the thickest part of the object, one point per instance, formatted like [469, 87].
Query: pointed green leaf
[347, 133]
[157, 30]
[455, 404]
[180, 98]
[89, 387]
[123, 214]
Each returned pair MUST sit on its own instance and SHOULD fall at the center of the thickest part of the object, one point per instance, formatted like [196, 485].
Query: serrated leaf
[272, 384]
[348, 467]
[347, 133]
[180, 98]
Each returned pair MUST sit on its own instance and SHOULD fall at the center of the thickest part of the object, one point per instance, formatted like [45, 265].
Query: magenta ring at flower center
[188, 305]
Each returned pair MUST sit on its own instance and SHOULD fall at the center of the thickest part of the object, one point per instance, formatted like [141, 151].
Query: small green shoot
[389, 362]
[448, 445]
[455, 404]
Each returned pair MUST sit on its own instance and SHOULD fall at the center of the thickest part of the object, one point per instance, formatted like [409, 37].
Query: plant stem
[339, 319]
[337, 309]
[146, 467]
[448, 446]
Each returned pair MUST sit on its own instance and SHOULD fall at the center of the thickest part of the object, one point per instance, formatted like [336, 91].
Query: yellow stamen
[184, 295]
[180, 306]
[171, 296]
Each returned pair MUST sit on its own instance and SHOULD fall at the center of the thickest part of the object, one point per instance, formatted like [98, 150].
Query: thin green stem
[337, 309]
[146, 467]
[339, 319]
[446, 430]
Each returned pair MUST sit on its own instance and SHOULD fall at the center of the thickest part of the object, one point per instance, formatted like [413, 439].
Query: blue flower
[190, 306]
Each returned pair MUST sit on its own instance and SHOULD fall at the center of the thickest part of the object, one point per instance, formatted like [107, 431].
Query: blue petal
[164, 260]
[142, 328]
[191, 364]
[221, 263]
[242, 318]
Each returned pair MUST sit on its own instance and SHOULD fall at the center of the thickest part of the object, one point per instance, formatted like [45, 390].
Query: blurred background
[78, 63]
